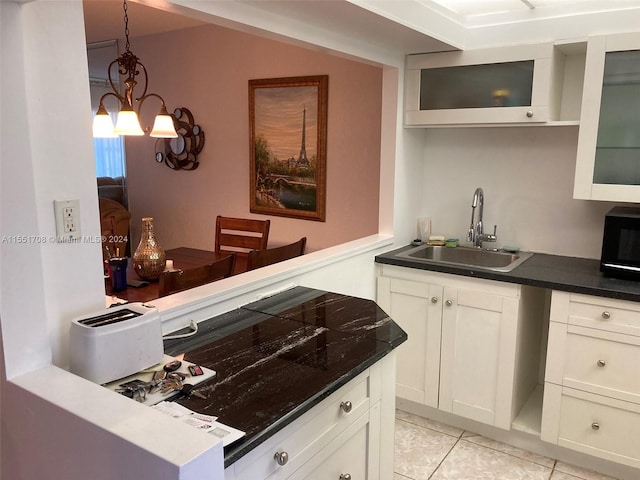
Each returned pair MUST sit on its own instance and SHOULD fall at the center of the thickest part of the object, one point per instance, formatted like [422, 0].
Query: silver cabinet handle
[281, 458]
[601, 363]
[345, 476]
[529, 113]
[595, 426]
[606, 315]
[346, 406]
[448, 303]
[434, 299]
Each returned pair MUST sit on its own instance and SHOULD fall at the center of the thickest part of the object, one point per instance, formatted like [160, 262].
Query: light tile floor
[427, 450]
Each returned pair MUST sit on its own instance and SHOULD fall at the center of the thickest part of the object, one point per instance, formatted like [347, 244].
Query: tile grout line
[447, 454]
[403, 476]
[503, 452]
[430, 428]
[459, 437]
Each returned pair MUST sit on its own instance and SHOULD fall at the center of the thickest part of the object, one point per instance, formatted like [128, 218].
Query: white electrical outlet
[67, 220]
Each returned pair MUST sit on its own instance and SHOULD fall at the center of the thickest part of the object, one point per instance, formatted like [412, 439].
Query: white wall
[527, 177]
[47, 154]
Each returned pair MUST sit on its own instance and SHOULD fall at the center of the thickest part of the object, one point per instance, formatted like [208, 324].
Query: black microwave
[621, 243]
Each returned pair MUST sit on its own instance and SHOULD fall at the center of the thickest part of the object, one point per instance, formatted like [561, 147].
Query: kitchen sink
[496, 260]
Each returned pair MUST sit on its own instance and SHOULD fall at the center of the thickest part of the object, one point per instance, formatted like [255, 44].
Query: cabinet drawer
[606, 314]
[606, 366]
[600, 426]
[346, 455]
[305, 437]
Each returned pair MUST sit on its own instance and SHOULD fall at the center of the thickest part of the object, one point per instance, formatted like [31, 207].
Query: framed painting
[288, 137]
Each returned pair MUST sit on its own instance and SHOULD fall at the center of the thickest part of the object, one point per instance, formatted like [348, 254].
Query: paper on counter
[200, 421]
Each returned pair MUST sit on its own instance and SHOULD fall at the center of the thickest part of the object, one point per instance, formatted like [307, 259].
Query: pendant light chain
[126, 24]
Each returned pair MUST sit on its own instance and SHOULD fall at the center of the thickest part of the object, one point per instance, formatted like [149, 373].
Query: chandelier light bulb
[102, 124]
[163, 126]
[128, 123]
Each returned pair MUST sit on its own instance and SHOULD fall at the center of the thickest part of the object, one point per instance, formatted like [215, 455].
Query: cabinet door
[499, 85]
[609, 138]
[478, 355]
[417, 308]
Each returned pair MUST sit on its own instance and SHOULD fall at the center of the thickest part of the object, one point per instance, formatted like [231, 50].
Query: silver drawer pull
[529, 114]
[434, 299]
[595, 426]
[345, 476]
[448, 303]
[606, 315]
[281, 458]
[601, 363]
[346, 406]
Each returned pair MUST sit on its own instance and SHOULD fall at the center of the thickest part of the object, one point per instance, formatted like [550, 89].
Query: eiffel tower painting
[288, 165]
[303, 161]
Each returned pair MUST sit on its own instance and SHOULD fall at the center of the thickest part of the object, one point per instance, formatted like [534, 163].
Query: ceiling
[104, 20]
[429, 25]
[471, 13]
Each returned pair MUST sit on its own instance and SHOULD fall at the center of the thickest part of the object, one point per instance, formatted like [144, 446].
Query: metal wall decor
[181, 153]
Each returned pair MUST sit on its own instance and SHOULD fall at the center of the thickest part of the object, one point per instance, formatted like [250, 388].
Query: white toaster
[115, 343]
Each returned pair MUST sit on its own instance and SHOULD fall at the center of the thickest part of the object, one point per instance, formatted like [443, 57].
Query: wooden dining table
[183, 258]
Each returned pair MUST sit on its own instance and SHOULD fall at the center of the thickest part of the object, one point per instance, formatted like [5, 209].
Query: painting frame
[288, 178]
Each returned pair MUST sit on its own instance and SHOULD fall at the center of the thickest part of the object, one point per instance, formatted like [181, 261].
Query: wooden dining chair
[262, 258]
[178, 280]
[240, 236]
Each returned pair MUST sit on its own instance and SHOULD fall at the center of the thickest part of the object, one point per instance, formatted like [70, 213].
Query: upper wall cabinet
[507, 85]
[608, 158]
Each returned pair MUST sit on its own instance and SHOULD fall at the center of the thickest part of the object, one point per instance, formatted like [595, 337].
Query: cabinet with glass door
[608, 156]
[506, 85]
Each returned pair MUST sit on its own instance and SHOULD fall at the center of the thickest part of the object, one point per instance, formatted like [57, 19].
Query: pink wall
[207, 69]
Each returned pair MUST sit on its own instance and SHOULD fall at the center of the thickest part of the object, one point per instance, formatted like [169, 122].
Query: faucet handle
[493, 238]
[490, 237]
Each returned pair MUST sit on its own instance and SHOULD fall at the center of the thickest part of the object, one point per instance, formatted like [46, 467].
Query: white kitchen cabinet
[417, 307]
[472, 350]
[478, 354]
[592, 383]
[609, 137]
[507, 85]
[348, 433]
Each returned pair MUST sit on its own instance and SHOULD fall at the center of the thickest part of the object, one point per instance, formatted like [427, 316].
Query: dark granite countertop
[556, 272]
[278, 357]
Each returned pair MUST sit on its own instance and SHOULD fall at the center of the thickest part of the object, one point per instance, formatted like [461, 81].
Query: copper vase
[149, 258]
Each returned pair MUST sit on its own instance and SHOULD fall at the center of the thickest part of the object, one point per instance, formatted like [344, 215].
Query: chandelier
[128, 120]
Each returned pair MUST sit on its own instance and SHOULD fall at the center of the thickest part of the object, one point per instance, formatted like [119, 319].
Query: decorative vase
[149, 258]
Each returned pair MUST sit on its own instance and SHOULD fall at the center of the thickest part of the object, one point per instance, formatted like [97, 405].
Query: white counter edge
[224, 295]
[110, 434]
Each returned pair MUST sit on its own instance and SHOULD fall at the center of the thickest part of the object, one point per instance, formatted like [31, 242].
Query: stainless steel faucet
[476, 233]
